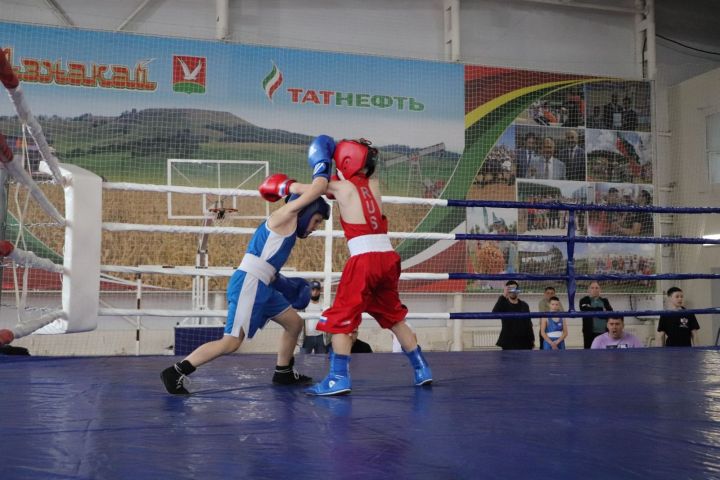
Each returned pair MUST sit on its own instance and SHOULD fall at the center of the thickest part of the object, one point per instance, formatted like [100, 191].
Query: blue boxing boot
[423, 374]
[337, 381]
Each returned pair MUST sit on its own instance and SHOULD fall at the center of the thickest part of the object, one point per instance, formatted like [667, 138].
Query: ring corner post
[83, 234]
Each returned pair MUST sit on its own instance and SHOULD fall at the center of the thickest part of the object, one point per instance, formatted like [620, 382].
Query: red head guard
[351, 156]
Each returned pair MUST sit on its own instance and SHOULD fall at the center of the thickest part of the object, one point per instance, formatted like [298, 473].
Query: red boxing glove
[275, 187]
[6, 337]
[6, 154]
[6, 248]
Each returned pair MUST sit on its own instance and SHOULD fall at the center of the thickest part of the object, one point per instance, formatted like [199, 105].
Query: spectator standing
[515, 333]
[544, 306]
[544, 303]
[313, 339]
[593, 302]
[677, 330]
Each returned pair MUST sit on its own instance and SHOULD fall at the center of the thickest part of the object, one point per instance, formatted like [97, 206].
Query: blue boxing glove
[320, 156]
[295, 290]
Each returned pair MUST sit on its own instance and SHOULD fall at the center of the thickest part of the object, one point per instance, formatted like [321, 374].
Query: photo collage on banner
[573, 140]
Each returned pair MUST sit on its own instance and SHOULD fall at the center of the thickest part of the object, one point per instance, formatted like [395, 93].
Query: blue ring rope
[570, 240]
[538, 277]
[583, 239]
[579, 314]
[580, 206]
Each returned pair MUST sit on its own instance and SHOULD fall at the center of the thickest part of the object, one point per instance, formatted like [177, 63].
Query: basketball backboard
[214, 174]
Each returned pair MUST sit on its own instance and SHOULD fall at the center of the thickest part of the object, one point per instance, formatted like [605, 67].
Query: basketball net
[219, 215]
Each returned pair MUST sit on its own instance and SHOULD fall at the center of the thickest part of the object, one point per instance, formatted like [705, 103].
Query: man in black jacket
[358, 346]
[515, 333]
[10, 350]
[594, 326]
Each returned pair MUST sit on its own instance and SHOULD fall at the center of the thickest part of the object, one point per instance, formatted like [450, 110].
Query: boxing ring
[492, 414]
[512, 414]
[495, 414]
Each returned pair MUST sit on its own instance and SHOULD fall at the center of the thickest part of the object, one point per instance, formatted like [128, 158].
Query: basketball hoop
[221, 215]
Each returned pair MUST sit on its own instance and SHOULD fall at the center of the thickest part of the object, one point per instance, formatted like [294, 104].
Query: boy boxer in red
[369, 281]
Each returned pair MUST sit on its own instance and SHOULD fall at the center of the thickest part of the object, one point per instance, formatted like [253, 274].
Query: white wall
[493, 32]
[675, 64]
[690, 102]
[684, 94]
[518, 33]
[549, 38]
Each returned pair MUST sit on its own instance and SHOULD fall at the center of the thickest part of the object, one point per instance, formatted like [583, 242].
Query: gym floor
[521, 414]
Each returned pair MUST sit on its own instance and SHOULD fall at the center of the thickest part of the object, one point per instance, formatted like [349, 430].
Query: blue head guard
[319, 205]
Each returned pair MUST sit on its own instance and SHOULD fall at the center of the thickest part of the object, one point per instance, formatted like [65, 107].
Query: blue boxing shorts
[251, 304]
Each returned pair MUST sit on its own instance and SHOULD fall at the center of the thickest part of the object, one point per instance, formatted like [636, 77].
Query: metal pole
[457, 345]
[138, 318]
[651, 53]
[222, 27]
[572, 285]
[640, 38]
[451, 27]
[3, 213]
[328, 266]
[133, 15]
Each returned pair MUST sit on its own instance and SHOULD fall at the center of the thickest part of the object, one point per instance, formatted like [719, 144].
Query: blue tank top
[554, 326]
[270, 246]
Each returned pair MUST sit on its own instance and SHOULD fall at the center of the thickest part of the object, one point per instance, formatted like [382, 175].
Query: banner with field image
[124, 105]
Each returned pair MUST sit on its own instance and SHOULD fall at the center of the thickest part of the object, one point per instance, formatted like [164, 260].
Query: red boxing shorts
[369, 283]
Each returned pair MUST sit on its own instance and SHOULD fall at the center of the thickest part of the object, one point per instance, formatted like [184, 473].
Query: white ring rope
[22, 177]
[142, 187]
[172, 270]
[105, 312]
[136, 227]
[17, 97]
[32, 326]
[29, 259]
[23, 110]
[228, 271]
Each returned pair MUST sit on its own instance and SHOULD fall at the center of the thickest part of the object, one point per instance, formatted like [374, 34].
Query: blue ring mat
[493, 414]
